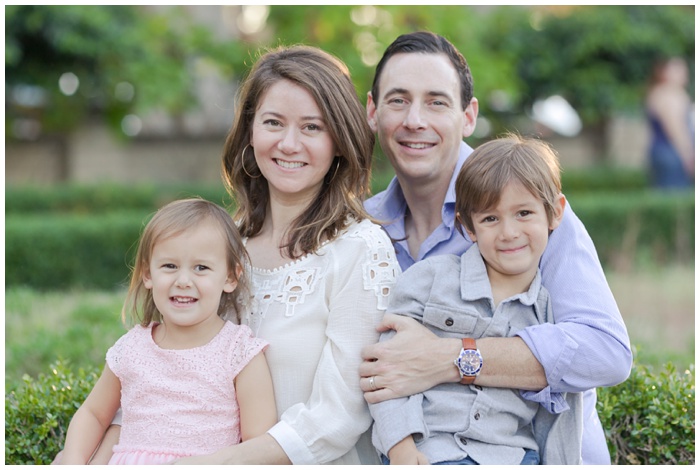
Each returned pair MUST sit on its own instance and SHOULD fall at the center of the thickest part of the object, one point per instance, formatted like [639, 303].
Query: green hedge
[625, 226]
[111, 197]
[83, 199]
[60, 250]
[75, 250]
[649, 419]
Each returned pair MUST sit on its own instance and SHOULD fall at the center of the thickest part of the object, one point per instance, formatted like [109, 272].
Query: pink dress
[178, 403]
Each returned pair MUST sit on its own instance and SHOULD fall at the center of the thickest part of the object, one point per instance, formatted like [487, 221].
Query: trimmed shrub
[650, 418]
[652, 224]
[37, 414]
[61, 251]
[81, 199]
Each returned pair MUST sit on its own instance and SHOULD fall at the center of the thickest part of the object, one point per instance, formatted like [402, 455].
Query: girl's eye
[524, 213]
[200, 268]
[488, 219]
[169, 266]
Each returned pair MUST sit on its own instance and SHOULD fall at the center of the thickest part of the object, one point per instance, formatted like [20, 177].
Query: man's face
[418, 116]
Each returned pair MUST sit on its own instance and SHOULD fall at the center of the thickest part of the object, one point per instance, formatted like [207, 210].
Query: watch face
[470, 362]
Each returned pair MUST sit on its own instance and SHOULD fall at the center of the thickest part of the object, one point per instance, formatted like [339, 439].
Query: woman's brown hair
[327, 79]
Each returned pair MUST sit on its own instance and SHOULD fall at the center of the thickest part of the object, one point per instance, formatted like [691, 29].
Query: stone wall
[94, 154]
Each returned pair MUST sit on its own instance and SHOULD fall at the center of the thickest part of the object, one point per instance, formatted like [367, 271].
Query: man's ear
[371, 112]
[559, 206]
[232, 280]
[470, 116]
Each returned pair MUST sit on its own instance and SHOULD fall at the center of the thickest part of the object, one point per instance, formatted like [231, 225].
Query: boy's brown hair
[529, 161]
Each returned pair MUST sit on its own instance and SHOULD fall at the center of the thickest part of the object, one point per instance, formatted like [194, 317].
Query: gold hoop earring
[337, 165]
[243, 162]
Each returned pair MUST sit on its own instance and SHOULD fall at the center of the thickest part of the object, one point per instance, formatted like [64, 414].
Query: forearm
[263, 449]
[82, 438]
[509, 363]
[104, 451]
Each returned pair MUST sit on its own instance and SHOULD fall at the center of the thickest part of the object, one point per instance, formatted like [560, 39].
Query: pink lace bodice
[180, 402]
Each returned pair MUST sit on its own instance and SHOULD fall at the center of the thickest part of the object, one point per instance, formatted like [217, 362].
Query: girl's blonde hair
[480, 182]
[174, 219]
[327, 79]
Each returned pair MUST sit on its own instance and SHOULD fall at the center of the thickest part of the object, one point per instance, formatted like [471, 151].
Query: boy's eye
[200, 268]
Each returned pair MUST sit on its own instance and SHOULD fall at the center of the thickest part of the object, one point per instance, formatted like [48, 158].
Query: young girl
[188, 381]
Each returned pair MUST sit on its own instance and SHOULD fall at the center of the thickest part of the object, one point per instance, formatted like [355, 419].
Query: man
[421, 106]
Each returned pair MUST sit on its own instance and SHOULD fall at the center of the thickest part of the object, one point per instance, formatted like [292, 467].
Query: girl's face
[187, 274]
[293, 147]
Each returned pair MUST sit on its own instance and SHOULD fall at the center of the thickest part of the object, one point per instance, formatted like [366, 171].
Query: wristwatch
[469, 361]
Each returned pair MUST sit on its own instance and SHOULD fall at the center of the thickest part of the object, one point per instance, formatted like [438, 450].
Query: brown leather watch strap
[468, 343]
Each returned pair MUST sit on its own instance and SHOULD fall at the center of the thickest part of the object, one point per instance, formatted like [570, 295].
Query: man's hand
[412, 361]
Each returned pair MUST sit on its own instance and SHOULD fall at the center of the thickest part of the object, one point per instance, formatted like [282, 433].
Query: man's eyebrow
[403, 91]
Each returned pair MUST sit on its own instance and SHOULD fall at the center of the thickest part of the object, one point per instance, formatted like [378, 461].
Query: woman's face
[293, 147]
[676, 71]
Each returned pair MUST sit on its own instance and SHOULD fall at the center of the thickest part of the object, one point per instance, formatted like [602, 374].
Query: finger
[379, 395]
[389, 322]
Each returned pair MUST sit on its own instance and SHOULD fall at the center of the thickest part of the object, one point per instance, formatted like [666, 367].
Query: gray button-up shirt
[452, 296]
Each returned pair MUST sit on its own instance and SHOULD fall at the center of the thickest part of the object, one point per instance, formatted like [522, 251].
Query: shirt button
[449, 322]
[477, 416]
[463, 440]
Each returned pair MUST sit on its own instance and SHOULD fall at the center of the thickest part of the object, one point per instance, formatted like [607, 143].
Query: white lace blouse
[317, 313]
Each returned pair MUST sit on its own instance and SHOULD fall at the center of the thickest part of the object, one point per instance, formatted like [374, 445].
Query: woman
[297, 162]
[669, 110]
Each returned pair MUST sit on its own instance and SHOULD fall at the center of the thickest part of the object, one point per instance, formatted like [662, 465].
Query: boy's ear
[559, 206]
[232, 280]
[472, 236]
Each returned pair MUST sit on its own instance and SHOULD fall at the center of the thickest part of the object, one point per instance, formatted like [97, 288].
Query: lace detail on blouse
[380, 271]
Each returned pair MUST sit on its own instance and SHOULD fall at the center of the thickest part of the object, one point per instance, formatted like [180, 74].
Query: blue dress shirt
[588, 345]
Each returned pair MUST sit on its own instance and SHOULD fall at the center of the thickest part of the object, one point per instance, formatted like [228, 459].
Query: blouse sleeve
[363, 270]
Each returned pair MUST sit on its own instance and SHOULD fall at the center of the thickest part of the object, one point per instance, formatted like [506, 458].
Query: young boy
[508, 199]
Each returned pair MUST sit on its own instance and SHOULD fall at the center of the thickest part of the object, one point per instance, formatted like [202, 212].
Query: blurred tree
[599, 58]
[66, 64]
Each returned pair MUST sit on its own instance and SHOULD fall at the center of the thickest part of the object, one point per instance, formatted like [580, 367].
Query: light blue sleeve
[587, 346]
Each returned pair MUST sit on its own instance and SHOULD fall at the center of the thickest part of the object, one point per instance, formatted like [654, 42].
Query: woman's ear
[232, 279]
[559, 206]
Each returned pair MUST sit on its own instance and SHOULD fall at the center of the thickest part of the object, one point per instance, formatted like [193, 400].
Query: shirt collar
[392, 203]
[474, 282]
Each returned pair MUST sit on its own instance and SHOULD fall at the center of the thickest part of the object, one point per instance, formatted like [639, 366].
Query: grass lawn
[658, 306]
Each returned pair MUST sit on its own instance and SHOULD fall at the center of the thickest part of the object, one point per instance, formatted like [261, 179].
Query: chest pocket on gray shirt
[458, 321]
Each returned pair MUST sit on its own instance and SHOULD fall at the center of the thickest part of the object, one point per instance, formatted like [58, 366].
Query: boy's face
[512, 235]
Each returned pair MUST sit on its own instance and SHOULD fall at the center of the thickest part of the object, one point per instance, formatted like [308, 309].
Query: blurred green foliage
[650, 418]
[597, 56]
